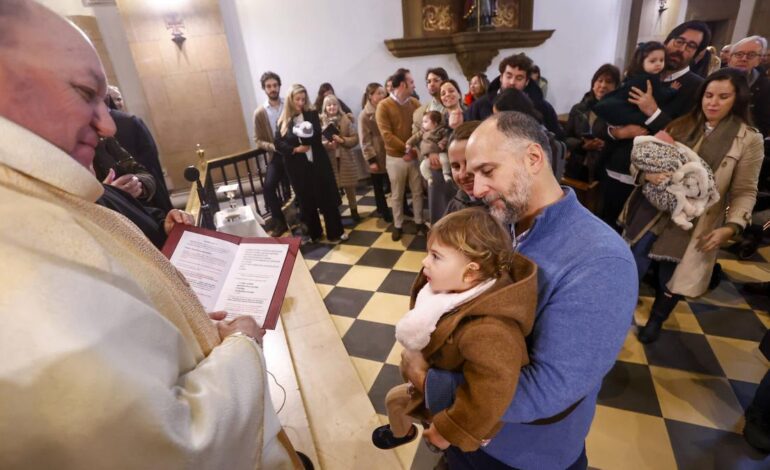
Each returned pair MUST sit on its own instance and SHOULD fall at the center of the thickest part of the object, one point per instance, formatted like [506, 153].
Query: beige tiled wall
[191, 92]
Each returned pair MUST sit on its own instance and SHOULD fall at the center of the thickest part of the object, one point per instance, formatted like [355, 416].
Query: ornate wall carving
[438, 18]
[507, 15]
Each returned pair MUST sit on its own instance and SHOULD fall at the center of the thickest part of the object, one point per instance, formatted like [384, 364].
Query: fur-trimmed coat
[483, 339]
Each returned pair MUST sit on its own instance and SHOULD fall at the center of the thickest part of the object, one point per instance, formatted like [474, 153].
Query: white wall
[343, 44]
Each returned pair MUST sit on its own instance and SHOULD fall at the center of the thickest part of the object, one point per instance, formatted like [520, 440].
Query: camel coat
[372, 144]
[736, 179]
[485, 340]
[343, 158]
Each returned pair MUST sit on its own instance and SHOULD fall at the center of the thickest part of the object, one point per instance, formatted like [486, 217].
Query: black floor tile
[363, 189]
[329, 273]
[362, 237]
[367, 201]
[424, 458]
[420, 243]
[756, 301]
[630, 387]
[369, 340]
[380, 258]
[315, 251]
[398, 282]
[388, 378]
[744, 391]
[730, 322]
[347, 302]
[697, 447]
[684, 351]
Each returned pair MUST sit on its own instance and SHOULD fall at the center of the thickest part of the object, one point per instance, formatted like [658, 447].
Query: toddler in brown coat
[432, 138]
[472, 304]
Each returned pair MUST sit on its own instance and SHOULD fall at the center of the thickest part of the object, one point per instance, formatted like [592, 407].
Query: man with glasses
[683, 43]
[746, 55]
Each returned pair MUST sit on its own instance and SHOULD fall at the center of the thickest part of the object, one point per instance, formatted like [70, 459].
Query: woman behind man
[584, 147]
[373, 147]
[298, 141]
[440, 193]
[718, 130]
[340, 145]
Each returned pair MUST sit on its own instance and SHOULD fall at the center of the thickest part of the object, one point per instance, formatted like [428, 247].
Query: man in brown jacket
[265, 118]
[394, 119]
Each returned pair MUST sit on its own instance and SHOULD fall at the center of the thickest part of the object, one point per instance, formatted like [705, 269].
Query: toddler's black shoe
[383, 437]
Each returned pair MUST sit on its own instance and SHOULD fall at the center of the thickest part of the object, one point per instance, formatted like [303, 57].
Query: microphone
[192, 175]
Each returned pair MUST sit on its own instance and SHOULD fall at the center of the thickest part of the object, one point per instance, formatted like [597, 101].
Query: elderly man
[587, 291]
[109, 360]
[746, 55]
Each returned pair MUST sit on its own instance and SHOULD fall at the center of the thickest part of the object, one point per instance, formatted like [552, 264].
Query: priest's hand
[175, 216]
[414, 367]
[245, 325]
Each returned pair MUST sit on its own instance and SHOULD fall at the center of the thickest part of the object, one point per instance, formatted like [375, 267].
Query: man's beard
[674, 60]
[273, 96]
[515, 200]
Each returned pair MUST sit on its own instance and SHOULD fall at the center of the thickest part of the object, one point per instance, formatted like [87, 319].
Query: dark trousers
[665, 301]
[315, 192]
[276, 175]
[378, 182]
[439, 195]
[759, 410]
[614, 198]
[480, 460]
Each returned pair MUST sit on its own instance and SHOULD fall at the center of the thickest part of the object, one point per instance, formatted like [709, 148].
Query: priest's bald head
[51, 80]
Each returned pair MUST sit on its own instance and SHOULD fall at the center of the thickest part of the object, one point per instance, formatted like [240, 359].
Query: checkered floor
[677, 403]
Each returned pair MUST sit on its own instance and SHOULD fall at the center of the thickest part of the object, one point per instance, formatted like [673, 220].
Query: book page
[205, 262]
[253, 278]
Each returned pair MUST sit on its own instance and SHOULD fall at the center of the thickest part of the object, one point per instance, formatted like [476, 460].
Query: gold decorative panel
[507, 15]
[438, 18]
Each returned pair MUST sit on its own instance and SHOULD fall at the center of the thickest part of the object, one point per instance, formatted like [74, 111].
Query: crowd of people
[520, 310]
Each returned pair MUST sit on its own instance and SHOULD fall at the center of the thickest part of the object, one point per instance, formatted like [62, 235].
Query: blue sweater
[587, 292]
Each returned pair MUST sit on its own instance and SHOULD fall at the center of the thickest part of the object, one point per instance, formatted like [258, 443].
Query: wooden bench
[587, 193]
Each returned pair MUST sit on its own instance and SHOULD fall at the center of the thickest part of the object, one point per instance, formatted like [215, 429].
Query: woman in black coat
[298, 141]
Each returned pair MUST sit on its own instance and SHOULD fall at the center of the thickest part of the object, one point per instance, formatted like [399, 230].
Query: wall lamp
[175, 23]
[662, 6]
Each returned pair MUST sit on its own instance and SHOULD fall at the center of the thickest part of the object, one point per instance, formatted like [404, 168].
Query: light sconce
[175, 23]
[662, 6]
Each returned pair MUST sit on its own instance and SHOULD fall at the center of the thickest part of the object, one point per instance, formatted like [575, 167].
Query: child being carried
[432, 138]
[472, 304]
[617, 107]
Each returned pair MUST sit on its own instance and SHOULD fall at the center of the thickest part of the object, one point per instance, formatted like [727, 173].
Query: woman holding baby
[718, 130]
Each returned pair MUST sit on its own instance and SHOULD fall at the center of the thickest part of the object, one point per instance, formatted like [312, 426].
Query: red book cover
[279, 292]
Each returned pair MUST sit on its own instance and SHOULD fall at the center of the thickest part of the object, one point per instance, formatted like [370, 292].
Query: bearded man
[587, 291]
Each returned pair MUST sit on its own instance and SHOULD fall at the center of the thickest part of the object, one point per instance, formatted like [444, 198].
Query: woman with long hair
[373, 147]
[477, 87]
[339, 146]
[325, 90]
[298, 141]
[718, 129]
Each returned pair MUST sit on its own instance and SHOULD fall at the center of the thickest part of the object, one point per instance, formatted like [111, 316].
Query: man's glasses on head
[690, 45]
[747, 55]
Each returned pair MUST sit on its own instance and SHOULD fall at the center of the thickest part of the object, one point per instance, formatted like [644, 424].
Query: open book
[242, 276]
